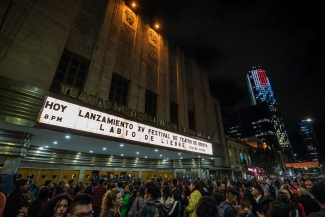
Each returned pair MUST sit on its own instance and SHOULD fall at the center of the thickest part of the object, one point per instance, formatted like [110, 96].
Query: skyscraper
[261, 91]
[311, 142]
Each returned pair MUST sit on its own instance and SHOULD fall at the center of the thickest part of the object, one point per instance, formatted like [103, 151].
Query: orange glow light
[157, 26]
[133, 4]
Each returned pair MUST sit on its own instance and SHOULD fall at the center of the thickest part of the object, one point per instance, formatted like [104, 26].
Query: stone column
[10, 164]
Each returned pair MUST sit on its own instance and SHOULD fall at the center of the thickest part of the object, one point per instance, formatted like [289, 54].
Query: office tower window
[191, 120]
[71, 71]
[119, 90]
[173, 110]
[151, 104]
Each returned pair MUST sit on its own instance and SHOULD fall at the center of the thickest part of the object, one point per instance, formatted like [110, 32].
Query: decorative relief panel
[127, 34]
[152, 69]
[129, 18]
[153, 55]
[153, 38]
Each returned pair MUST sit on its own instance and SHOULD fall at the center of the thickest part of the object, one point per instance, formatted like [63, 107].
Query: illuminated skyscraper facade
[309, 137]
[261, 91]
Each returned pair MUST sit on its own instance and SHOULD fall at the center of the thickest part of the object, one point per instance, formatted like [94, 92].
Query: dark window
[191, 121]
[71, 71]
[119, 89]
[173, 109]
[151, 104]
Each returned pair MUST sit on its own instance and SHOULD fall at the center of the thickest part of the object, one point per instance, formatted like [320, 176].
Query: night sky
[228, 37]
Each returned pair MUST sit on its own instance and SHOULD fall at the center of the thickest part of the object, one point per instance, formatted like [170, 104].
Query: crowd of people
[173, 198]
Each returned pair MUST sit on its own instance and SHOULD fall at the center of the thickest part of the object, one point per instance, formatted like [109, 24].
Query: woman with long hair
[137, 203]
[194, 198]
[112, 203]
[42, 198]
[207, 207]
[164, 194]
[57, 207]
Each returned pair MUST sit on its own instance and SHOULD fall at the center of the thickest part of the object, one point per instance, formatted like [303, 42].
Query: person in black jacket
[42, 198]
[309, 204]
[15, 199]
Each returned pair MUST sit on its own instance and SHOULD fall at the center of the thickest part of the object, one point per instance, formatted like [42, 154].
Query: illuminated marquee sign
[60, 113]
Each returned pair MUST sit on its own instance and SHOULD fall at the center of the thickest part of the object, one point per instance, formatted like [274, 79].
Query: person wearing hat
[318, 192]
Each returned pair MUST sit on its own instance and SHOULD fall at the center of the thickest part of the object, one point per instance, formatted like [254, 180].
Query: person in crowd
[125, 200]
[318, 193]
[177, 210]
[120, 187]
[186, 194]
[257, 193]
[309, 204]
[111, 204]
[226, 209]
[173, 184]
[57, 207]
[77, 189]
[81, 206]
[152, 192]
[194, 198]
[89, 188]
[15, 199]
[41, 199]
[60, 188]
[169, 201]
[98, 194]
[246, 208]
[138, 202]
[245, 188]
[3, 199]
[209, 185]
[71, 184]
[254, 206]
[288, 193]
[67, 189]
[48, 183]
[277, 209]
[149, 210]
[265, 186]
[132, 198]
[218, 197]
[207, 207]
[309, 184]
[164, 193]
[284, 198]
[277, 186]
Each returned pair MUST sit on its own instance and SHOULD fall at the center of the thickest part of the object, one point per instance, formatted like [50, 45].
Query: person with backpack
[226, 208]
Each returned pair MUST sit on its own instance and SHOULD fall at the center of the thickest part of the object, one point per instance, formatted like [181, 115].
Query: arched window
[230, 154]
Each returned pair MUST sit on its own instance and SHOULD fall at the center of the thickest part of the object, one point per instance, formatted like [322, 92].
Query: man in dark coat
[15, 200]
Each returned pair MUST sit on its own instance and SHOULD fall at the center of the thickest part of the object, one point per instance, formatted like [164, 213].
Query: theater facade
[91, 87]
